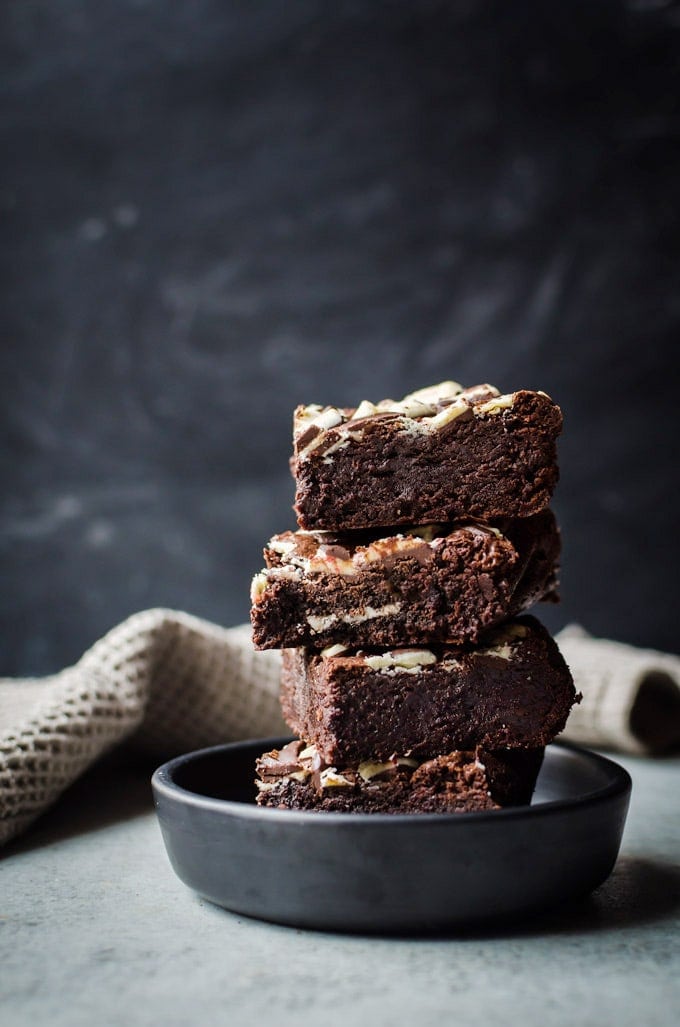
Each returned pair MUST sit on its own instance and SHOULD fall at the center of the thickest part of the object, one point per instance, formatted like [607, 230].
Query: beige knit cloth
[172, 683]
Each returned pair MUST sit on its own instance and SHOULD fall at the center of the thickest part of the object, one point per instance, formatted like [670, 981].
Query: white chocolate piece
[333, 650]
[368, 770]
[365, 409]
[319, 623]
[433, 394]
[328, 418]
[366, 613]
[330, 778]
[281, 546]
[448, 414]
[495, 405]
[258, 585]
[407, 659]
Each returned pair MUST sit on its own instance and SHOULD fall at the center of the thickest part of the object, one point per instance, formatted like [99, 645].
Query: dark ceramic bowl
[381, 872]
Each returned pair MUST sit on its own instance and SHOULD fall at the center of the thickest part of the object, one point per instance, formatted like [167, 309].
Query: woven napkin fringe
[170, 681]
[631, 696]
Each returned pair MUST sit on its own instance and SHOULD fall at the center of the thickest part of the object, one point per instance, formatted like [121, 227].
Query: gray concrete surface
[97, 930]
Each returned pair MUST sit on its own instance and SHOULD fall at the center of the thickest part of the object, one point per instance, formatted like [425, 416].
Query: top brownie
[441, 454]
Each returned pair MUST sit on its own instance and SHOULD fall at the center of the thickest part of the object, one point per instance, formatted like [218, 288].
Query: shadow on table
[640, 890]
[117, 788]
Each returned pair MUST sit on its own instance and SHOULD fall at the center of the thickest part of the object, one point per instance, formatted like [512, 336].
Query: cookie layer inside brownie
[297, 777]
[435, 583]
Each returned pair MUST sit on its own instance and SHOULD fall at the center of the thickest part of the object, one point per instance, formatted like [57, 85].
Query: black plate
[381, 872]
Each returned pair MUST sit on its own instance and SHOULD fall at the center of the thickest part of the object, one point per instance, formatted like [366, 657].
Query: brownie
[442, 454]
[296, 777]
[514, 691]
[445, 584]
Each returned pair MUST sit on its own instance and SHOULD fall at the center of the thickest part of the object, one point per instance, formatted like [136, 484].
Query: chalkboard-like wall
[213, 211]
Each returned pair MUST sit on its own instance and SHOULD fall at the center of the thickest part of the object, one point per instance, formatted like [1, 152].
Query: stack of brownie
[409, 677]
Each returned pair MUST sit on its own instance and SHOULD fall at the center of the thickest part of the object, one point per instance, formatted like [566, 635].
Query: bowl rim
[164, 785]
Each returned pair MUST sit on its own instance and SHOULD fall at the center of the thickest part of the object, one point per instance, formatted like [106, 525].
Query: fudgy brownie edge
[515, 691]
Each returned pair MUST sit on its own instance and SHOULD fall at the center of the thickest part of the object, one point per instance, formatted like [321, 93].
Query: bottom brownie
[296, 777]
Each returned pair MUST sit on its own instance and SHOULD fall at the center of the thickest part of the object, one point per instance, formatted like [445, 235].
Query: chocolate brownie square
[440, 455]
[296, 777]
[435, 584]
[513, 691]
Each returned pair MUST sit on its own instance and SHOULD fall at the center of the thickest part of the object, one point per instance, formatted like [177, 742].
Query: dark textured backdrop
[215, 210]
